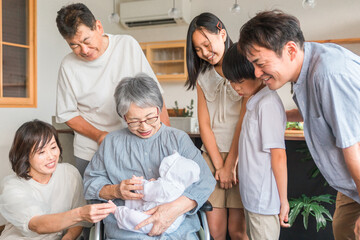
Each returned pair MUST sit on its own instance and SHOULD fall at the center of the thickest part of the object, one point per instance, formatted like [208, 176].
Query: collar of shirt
[304, 69]
[252, 102]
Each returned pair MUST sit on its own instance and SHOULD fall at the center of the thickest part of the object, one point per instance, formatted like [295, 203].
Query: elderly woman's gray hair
[141, 90]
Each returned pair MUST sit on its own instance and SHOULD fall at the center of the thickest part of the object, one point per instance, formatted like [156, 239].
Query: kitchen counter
[291, 135]
[294, 135]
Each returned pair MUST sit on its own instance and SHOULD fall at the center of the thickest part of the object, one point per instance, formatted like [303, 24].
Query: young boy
[262, 166]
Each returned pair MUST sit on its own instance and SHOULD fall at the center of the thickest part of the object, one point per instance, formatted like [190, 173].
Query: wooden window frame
[31, 84]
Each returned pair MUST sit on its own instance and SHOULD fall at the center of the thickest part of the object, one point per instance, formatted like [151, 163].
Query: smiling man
[88, 77]
[326, 80]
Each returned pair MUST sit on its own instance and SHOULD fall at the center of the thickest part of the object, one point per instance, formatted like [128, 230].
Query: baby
[176, 174]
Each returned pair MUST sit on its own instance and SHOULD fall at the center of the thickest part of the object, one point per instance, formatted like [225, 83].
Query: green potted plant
[311, 206]
[182, 118]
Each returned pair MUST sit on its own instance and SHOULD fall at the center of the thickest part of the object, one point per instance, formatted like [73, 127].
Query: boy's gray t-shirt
[263, 128]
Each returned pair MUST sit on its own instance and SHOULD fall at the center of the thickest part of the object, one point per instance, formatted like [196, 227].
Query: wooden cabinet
[167, 59]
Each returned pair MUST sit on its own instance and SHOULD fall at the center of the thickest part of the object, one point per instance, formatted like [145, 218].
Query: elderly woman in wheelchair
[139, 150]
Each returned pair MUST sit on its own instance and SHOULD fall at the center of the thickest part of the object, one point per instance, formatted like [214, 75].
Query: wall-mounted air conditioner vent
[153, 12]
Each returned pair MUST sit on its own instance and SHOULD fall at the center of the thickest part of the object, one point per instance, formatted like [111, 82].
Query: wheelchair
[97, 231]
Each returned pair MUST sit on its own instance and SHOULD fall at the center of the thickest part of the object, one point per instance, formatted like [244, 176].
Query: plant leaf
[295, 210]
[320, 219]
[328, 198]
[305, 214]
[311, 206]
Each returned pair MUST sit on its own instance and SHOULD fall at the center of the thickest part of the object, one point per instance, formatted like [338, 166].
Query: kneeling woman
[43, 199]
[138, 150]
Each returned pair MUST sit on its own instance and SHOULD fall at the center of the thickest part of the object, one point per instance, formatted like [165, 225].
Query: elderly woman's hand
[164, 215]
[161, 217]
[126, 189]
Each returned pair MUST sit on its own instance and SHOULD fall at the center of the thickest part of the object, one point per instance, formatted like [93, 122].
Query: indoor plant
[308, 195]
[311, 206]
[181, 118]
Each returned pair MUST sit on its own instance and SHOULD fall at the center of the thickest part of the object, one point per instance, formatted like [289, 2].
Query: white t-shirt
[263, 128]
[86, 88]
[223, 104]
[21, 200]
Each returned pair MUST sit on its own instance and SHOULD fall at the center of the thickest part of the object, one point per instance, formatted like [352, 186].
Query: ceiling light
[308, 4]
[174, 12]
[235, 9]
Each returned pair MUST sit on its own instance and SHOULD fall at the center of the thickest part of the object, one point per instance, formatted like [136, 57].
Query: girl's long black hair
[195, 65]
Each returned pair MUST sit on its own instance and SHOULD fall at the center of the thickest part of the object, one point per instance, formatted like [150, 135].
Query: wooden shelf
[170, 77]
[168, 61]
[339, 41]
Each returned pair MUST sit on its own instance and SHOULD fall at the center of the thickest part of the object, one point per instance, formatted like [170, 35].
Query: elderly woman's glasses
[148, 121]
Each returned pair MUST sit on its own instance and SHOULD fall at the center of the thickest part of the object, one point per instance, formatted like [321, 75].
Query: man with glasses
[88, 77]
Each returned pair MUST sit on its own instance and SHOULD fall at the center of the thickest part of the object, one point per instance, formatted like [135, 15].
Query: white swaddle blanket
[176, 174]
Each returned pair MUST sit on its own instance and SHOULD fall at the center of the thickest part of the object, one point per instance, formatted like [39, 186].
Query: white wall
[330, 19]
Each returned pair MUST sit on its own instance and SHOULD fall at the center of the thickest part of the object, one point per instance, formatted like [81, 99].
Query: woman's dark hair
[236, 67]
[195, 65]
[29, 138]
[271, 30]
[71, 16]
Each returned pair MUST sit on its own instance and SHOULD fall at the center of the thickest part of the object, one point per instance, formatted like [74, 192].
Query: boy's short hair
[236, 67]
[71, 16]
[271, 30]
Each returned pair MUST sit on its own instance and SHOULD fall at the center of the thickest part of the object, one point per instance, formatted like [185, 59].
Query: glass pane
[15, 71]
[14, 17]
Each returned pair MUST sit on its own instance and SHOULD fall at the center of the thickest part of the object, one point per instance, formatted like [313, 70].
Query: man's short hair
[271, 30]
[71, 16]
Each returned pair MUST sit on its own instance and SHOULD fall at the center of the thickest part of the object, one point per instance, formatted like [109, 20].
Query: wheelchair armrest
[98, 232]
[206, 207]
[95, 201]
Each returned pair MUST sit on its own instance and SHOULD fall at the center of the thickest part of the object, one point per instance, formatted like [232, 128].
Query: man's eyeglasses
[148, 121]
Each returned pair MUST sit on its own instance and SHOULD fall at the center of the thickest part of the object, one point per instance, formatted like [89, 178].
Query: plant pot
[187, 124]
[176, 112]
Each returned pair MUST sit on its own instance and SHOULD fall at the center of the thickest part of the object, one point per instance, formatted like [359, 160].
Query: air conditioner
[153, 12]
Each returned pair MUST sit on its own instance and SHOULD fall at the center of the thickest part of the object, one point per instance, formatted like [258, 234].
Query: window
[18, 53]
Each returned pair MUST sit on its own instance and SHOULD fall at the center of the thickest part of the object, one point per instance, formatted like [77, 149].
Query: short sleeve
[18, 204]
[95, 175]
[340, 98]
[66, 104]
[272, 125]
